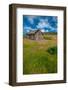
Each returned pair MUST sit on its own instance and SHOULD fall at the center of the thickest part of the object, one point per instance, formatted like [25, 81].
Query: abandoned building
[35, 35]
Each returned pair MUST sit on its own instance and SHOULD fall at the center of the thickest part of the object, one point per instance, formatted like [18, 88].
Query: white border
[38, 77]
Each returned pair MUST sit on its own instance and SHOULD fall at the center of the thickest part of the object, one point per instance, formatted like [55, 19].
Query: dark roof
[33, 32]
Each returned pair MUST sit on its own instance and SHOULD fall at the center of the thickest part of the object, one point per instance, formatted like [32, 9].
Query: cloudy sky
[44, 23]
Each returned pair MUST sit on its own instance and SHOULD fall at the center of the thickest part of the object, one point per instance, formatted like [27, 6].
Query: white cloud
[31, 19]
[42, 30]
[43, 23]
[52, 28]
[27, 28]
[46, 30]
[44, 20]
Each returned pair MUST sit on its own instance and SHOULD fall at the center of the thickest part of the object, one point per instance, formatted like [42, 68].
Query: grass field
[40, 56]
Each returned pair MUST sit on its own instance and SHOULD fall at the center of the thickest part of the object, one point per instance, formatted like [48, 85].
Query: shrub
[52, 50]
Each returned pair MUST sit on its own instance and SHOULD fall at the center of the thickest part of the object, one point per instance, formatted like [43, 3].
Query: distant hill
[52, 33]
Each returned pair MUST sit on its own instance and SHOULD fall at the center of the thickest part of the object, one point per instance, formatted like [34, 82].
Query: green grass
[38, 58]
[49, 37]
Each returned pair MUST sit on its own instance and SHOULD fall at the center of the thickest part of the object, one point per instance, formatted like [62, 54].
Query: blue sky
[44, 23]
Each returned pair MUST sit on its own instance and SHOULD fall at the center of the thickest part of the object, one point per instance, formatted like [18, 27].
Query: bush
[52, 50]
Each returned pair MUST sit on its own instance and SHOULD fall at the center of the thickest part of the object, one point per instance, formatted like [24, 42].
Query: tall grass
[48, 37]
[37, 57]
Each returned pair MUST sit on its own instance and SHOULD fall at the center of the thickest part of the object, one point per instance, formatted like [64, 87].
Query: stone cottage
[35, 35]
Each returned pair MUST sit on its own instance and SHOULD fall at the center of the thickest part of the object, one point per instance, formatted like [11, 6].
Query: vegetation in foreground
[40, 56]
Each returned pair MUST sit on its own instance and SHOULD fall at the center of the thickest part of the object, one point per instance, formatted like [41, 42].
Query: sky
[43, 23]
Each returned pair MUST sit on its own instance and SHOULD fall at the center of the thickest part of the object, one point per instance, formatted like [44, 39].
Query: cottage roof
[33, 32]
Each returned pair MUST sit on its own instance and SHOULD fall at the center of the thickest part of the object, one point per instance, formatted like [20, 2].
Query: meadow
[40, 57]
